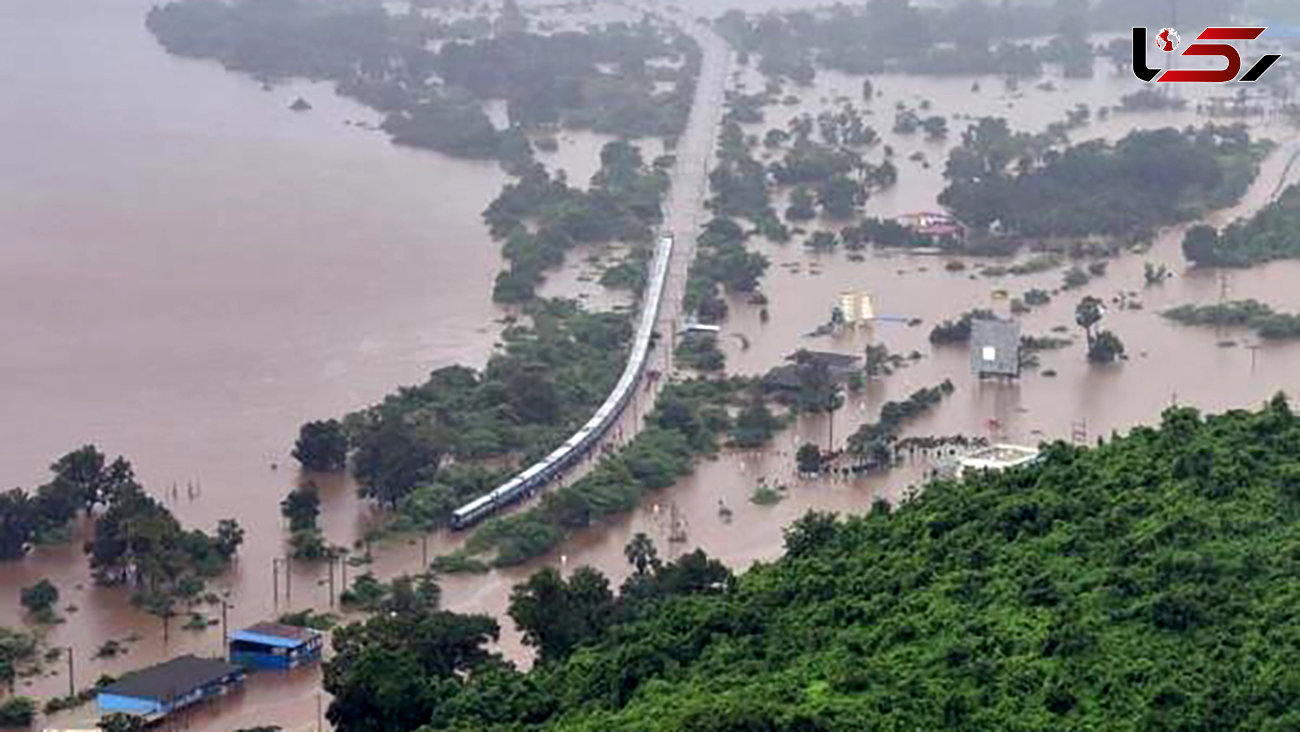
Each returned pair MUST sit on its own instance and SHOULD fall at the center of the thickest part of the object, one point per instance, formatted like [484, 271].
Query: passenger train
[539, 474]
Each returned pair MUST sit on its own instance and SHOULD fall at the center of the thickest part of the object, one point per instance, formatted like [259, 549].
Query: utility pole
[275, 581]
[225, 632]
[1253, 348]
[333, 560]
[1079, 432]
[424, 551]
[830, 428]
[288, 583]
[72, 683]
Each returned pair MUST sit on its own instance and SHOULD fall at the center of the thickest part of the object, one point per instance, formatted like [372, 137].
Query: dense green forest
[1022, 184]
[936, 38]
[625, 79]
[1272, 233]
[1144, 584]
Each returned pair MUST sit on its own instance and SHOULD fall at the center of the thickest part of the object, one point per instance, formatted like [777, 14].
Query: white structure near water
[857, 308]
[997, 458]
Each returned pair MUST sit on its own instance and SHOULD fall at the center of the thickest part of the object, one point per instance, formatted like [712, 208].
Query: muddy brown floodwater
[188, 271]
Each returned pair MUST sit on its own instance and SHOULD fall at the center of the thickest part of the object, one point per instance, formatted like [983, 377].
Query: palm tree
[641, 553]
[1087, 314]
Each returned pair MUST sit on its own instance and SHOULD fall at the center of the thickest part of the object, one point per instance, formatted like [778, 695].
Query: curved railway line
[665, 288]
[536, 476]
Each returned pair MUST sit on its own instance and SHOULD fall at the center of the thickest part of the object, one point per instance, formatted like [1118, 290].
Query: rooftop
[280, 630]
[276, 634]
[170, 679]
[998, 457]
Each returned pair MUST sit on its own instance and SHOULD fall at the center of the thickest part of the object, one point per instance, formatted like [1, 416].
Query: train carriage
[548, 468]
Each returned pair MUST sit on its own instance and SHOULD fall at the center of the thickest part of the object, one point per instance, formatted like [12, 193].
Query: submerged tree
[877, 363]
[808, 458]
[1087, 314]
[322, 446]
[301, 507]
[39, 599]
[1105, 348]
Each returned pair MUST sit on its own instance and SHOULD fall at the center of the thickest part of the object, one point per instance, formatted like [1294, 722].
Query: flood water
[188, 271]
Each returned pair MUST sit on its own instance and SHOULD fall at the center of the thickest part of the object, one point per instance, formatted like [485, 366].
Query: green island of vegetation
[1272, 233]
[952, 332]
[540, 217]
[1252, 314]
[1144, 584]
[968, 38]
[1020, 185]
[721, 262]
[957, 38]
[875, 441]
[624, 79]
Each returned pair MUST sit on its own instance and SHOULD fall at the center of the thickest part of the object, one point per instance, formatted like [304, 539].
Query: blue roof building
[160, 690]
[275, 646]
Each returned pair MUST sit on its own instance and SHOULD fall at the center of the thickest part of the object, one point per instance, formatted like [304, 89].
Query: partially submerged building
[276, 646]
[994, 348]
[936, 225]
[155, 692]
[854, 309]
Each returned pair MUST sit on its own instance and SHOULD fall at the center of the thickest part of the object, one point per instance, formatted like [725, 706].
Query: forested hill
[1152, 583]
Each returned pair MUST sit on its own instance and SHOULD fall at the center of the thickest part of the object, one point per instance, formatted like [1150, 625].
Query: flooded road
[188, 271]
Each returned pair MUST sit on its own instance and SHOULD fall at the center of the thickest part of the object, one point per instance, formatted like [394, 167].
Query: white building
[997, 458]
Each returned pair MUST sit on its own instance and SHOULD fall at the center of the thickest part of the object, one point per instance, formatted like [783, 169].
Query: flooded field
[188, 271]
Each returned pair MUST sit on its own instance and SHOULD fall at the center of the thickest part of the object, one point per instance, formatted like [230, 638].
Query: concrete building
[856, 308]
[160, 690]
[275, 646]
